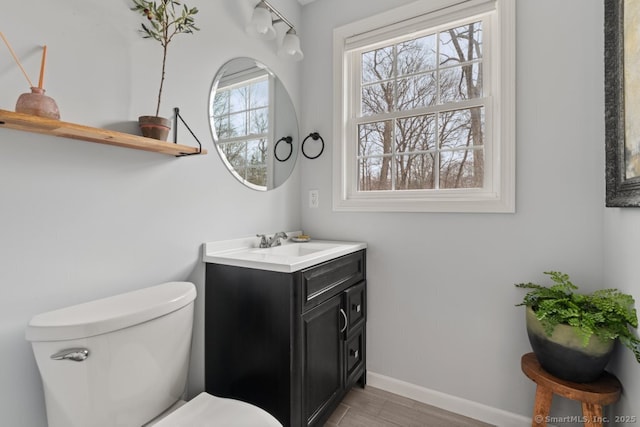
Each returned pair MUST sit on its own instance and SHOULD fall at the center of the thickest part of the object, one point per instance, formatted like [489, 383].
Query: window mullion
[423, 111]
[392, 159]
[436, 156]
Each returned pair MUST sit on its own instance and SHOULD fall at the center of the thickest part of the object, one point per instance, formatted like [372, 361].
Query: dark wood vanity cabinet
[290, 343]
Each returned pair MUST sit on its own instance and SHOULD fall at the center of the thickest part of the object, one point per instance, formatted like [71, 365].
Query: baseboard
[447, 402]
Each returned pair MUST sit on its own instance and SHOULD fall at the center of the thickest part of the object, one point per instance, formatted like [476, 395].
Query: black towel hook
[315, 136]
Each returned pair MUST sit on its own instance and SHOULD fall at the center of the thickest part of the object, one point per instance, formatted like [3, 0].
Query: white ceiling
[303, 2]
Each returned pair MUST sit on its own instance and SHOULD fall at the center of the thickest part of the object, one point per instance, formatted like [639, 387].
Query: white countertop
[287, 258]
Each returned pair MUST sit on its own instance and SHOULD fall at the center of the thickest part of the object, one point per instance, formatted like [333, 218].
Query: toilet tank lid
[111, 313]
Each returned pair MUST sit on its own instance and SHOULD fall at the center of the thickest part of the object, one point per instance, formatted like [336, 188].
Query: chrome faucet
[271, 241]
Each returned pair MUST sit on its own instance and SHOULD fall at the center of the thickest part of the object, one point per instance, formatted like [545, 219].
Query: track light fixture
[261, 26]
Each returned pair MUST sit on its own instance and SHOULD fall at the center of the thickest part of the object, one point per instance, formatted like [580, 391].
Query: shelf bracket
[176, 114]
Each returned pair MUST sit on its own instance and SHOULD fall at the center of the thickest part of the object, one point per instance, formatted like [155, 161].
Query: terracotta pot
[154, 127]
[563, 354]
[38, 104]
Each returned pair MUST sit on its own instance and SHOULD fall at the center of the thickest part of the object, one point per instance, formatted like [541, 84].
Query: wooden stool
[593, 395]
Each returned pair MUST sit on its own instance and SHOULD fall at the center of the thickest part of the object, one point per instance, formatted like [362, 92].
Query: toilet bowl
[122, 361]
[206, 410]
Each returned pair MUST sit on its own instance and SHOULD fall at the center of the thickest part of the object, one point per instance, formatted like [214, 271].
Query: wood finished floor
[372, 407]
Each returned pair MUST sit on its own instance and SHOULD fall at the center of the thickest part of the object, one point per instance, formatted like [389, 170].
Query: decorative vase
[563, 354]
[154, 127]
[38, 104]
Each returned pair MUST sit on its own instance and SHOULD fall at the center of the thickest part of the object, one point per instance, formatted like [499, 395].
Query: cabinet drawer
[325, 280]
[355, 305]
[354, 354]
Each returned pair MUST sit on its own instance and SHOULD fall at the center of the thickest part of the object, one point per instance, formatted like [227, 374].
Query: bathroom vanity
[285, 327]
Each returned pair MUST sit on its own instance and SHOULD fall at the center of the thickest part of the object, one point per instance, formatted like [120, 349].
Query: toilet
[122, 361]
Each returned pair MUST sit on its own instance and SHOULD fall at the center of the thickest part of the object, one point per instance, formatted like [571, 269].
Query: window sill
[444, 203]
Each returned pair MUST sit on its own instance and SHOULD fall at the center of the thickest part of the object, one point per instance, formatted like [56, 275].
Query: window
[425, 109]
[240, 114]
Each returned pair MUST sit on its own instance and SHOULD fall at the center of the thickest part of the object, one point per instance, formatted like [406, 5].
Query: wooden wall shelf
[35, 124]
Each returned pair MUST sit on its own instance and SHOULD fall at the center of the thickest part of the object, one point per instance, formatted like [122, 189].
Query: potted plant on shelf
[164, 20]
[573, 334]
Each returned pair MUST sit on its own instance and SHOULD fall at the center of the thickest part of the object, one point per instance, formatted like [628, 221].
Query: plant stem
[165, 32]
[164, 60]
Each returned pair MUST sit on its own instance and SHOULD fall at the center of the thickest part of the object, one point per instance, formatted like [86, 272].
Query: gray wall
[80, 220]
[441, 295]
[622, 234]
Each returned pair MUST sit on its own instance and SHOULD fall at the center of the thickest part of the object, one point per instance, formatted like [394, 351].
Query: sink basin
[288, 257]
[294, 249]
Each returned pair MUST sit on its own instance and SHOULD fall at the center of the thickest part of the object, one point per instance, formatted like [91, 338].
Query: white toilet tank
[138, 346]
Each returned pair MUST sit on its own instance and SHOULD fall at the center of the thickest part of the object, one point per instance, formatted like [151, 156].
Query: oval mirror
[253, 123]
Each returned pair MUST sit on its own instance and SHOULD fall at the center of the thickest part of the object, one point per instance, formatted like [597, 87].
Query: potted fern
[164, 20]
[573, 334]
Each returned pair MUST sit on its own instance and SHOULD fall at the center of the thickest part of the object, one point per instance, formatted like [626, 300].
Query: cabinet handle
[354, 353]
[344, 328]
[356, 307]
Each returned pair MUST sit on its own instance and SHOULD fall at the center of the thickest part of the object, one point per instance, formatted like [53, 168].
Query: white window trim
[501, 197]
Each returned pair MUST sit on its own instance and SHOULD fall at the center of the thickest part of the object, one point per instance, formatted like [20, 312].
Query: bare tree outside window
[241, 118]
[423, 133]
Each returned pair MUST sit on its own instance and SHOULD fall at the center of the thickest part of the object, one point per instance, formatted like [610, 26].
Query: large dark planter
[563, 355]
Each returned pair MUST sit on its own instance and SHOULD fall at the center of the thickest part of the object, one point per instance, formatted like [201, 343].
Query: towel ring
[315, 136]
[288, 140]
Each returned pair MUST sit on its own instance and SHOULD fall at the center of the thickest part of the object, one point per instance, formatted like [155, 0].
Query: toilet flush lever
[75, 354]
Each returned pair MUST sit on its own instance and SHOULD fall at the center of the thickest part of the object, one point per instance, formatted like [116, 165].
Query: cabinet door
[322, 358]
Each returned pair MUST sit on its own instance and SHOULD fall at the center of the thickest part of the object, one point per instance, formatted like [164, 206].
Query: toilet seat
[206, 410]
